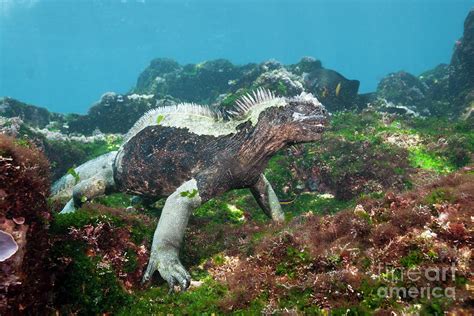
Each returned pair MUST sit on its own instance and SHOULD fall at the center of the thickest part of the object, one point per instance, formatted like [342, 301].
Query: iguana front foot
[169, 236]
[170, 268]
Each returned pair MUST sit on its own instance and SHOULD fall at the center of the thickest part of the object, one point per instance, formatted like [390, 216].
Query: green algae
[202, 300]
[216, 216]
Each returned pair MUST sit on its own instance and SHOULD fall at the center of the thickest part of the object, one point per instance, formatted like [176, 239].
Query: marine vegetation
[367, 199]
[24, 213]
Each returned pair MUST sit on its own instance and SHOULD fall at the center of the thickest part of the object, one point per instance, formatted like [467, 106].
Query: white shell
[8, 246]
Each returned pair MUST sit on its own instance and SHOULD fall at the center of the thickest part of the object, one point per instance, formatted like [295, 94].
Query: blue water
[63, 54]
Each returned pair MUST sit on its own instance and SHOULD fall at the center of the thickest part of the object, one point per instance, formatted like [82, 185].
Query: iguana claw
[171, 270]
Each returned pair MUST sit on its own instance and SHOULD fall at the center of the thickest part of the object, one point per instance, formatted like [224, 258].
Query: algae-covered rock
[348, 263]
[405, 90]
[153, 77]
[115, 113]
[99, 254]
[33, 115]
[306, 65]
[24, 186]
[201, 83]
[280, 80]
[63, 151]
[206, 82]
[462, 60]
[445, 91]
[461, 80]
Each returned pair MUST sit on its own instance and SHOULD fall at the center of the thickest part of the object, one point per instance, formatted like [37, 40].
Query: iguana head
[302, 119]
[295, 119]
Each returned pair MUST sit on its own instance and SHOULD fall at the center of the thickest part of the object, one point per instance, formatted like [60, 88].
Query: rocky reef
[447, 90]
[387, 190]
[24, 253]
[217, 82]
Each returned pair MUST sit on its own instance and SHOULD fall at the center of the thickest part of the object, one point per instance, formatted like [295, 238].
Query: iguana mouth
[302, 117]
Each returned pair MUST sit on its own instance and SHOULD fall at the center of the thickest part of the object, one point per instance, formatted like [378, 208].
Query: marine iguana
[191, 153]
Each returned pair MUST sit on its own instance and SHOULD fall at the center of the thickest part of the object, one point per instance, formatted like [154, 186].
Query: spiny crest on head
[152, 117]
[306, 97]
[245, 103]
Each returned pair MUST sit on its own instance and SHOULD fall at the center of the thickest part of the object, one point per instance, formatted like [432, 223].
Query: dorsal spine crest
[190, 109]
[204, 120]
[248, 101]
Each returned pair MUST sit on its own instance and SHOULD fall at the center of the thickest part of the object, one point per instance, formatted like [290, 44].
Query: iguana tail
[63, 188]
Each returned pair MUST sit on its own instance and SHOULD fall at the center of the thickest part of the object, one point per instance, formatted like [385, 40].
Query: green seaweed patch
[202, 300]
[281, 88]
[412, 259]
[80, 218]
[294, 259]
[317, 204]
[421, 158]
[219, 211]
[87, 286]
[244, 201]
[279, 174]
[141, 233]
[218, 259]
[131, 263]
[301, 300]
[114, 200]
[23, 142]
[372, 299]
[189, 194]
[435, 306]
[438, 196]
[159, 119]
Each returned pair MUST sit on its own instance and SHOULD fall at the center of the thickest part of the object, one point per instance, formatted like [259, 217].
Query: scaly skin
[191, 166]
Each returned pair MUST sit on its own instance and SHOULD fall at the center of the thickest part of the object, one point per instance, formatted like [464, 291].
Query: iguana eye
[301, 108]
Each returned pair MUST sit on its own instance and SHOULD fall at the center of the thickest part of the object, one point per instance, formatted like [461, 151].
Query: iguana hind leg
[169, 234]
[267, 199]
[88, 189]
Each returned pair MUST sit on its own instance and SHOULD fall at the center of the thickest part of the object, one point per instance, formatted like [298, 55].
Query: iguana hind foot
[267, 199]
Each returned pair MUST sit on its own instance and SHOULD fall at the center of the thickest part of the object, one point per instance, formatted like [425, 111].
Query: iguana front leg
[169, 235]
[267, 199]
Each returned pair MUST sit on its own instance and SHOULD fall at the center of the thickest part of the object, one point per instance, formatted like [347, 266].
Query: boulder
[462, 60]
[155, 74]
[201, 83]
[306, 65]
[32, 115]
[461, 79]
[404, 90]
[281, 81]
[115, 113]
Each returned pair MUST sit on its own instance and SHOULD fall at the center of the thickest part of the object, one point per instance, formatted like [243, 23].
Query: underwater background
[378, 213]
[64, 54]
